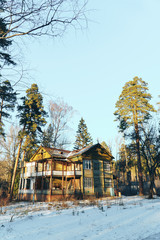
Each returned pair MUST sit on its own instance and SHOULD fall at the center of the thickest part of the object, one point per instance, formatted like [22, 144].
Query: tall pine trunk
[15, 168]
[139, 161]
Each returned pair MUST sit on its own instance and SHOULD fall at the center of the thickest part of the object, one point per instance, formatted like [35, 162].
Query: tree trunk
[151, 187]
[15, 168]
[139, 161]
[23, 157]
[1, 114]
[151, 178]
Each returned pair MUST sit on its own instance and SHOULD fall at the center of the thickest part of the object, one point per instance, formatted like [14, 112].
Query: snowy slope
[131, 218]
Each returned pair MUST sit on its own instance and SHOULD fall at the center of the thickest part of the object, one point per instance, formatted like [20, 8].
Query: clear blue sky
[89, 68]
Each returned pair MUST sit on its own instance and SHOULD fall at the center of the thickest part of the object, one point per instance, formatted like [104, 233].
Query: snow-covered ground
[128, 218]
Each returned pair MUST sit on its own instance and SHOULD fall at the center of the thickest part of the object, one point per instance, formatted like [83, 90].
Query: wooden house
[53, 173]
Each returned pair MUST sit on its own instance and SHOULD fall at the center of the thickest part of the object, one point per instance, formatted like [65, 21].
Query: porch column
[66, 180]
[74, 178]
[34, 182]
[36, 171]
[51, 179]
[42, 176]
[82, 177]
[62, 178]
[80, 184]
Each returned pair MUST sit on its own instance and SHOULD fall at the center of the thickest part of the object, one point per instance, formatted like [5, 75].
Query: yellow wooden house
[53, 173]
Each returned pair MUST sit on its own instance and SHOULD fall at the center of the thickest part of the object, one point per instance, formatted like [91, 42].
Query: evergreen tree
[133, 108]
[47, 137]
[5, 57]
[31, 112]
[32, 118]
[83, 138]
[7, 102]
[30, 145]
[125, 162]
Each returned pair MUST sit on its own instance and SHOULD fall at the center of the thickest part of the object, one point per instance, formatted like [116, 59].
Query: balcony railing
[54, 173]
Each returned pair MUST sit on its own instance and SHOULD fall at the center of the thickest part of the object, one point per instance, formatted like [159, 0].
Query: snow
[128, 218]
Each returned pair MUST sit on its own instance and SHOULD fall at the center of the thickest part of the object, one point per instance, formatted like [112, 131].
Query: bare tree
[8, 147]
[150, 150]
[60, 114]
[40, 17]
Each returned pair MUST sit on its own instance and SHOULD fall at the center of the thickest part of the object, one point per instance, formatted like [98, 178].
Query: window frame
[88, 182]
[87, 165]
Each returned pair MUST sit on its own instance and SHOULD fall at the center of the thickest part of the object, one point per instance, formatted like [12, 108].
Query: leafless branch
[41, 17]
[60, 114]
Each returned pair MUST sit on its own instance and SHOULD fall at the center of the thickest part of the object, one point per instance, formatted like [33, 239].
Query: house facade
[53, 173]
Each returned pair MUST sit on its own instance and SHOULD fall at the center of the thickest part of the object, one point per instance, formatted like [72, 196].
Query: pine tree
[133, 108]
[7, 102]
[83, 138]
[5, 57]
[32, 118]
[30, 145]
[31, 112]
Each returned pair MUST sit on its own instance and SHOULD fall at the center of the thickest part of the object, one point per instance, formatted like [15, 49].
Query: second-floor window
[29, 169]
[87, 164]
[77, 167]
[39, 167]
[33, 169]
[48, 167]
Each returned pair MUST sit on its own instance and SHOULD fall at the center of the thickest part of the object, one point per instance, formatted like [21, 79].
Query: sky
[88, 68]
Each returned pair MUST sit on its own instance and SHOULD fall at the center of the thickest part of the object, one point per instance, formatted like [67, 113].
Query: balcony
[54, 173]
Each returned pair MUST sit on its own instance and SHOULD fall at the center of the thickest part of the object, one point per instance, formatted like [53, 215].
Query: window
[28, 184]
[28, 169]
[39, 167]
[48, 167]
[77, 167]
[107, 166]
[33, 169]
[87, 164]
[107, 182]
[21, 183]
[88, 182]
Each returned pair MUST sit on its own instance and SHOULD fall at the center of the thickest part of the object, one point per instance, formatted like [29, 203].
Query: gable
[40, 154]
[93, 152]
[97, 152]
